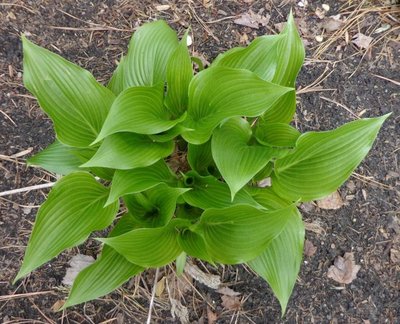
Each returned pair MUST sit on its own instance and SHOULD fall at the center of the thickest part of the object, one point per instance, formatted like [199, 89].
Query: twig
[8, 297]
[387, 79]
[340, 105]
[19, 190]
[17, 5]
[153, 294]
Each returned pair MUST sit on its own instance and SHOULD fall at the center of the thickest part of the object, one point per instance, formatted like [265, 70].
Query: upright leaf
[147, 247]
[154, 207]
[129, 150]
[276, 58]
[140, 179]
[238, 160]
[322, 161]
[139, 110]
[240, 233]
[149, 51]
[280, 262]
[220, 92]
[70, 95]
[179, 74]
[76, 199]
[109, 271]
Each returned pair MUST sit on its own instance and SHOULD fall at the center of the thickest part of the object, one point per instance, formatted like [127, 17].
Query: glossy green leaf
[108, 273]
[60, 158]
[237, 159]
[322, 161]
[276, 134]
[70, 95]
[240, 233]
[208, 192]
[154, 207]
[139, 110]
[140, 179]
[169, 134]
[179, 74]
[218, 93]
[76, 199]
[180, 263]
[200, 158]
[149, 51]
[129, 150]
[280, 262]
[147, 247]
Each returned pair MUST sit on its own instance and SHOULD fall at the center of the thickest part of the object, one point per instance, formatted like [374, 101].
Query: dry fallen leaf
[332, 23]
[77, 263]
[208, 279]
[252, 20]
[309, 248]
[231, 302]
[57, 305]
[361, 40]
[160, 287]
[211, 316]
[227, 291]
[333, 201]
[344, 270]
[179, 311]
[395, 255]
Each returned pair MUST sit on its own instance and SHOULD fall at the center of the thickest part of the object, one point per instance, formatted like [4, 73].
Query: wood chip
[211, 316]
[252, 20]
[208, 279]
[163, 7]
[179, 311]
[77, 264]
[344, 270]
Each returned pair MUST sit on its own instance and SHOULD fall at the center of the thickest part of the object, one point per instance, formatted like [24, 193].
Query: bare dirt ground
[346, 75]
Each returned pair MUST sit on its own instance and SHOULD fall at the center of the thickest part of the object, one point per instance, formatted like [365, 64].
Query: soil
[362, 82]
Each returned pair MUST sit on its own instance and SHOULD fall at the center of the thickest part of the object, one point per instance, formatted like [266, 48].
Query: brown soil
[93, 35]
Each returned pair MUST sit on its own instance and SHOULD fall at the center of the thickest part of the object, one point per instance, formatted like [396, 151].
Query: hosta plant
[179, 154]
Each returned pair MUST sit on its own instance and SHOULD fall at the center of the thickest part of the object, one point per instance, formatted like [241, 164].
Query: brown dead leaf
[309, 248]
[231, 302]
[160, 287]
[333, 201]
[362, 41]
[211, 316]
[77, 263]
[252, 20]
[344, 270]
[227, 291]
[208, 279]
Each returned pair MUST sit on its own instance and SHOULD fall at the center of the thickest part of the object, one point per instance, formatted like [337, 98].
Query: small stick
[153, 294]
[340, 105]
[19, 190]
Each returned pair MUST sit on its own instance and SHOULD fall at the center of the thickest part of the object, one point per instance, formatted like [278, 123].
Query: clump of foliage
[183, 152]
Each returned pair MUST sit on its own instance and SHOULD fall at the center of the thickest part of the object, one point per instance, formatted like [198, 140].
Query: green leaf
[149, 51]
[69, 95]
[276, 134]
[129, 150]
[280, 262]
[169, 134]
[60, 158]
[154, 207]
[140, 179]
[108, 273]
[218, 93]
[238, 160]
[208, 192]
[200, 158]
[322, 161]
[276, 58]
[180, 263]
[240, 233]
[76, 199]
[147, 247]
[179, 75]
[193, 244]
[139, 110]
